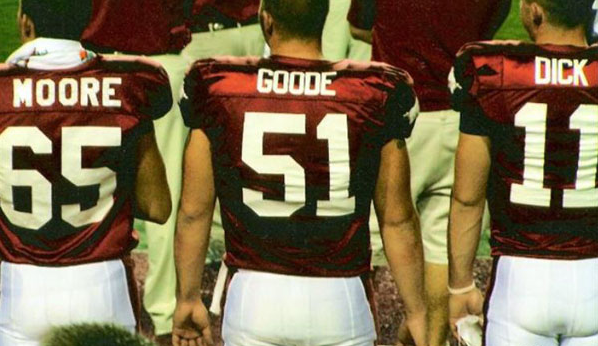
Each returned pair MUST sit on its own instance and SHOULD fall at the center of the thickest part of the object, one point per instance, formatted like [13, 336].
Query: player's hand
[412, 332]
[191, 326]
[461, 305]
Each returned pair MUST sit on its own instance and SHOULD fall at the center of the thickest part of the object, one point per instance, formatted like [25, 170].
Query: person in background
[423, 37]
[337, 41]
[156, 29]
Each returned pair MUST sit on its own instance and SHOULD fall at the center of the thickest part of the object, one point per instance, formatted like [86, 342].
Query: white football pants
[33, 299]
[541, 302]
[266, 309]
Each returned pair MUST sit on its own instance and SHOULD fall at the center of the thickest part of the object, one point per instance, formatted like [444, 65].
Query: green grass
[9, 36]
[512, 29]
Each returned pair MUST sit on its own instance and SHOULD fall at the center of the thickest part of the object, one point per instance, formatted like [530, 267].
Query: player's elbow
[467, 200]
[191, 213]
[159, 210]
[163, 211]
[406, 226]
[361, 34]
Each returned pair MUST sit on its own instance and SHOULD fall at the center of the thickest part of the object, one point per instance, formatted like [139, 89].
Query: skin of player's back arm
[152, 194]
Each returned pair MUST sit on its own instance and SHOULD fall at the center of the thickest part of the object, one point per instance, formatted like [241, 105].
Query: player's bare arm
[361, 19]
[467, 207]
[399, 225]
[151, 188]
[194, 220]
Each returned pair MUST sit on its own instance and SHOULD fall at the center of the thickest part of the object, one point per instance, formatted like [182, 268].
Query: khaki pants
[337, 43]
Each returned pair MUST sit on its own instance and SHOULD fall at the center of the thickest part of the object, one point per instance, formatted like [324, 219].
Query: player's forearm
[465, 225]
[190, 249]
[403, 248]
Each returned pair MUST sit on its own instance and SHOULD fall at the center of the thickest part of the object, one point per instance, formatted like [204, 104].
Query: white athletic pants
[265, 309]
[541, 302]
[33, 299]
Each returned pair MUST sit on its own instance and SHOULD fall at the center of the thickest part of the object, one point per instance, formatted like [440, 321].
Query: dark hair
[92, 334]
[567, 13]
[58, 18]
[303, 19]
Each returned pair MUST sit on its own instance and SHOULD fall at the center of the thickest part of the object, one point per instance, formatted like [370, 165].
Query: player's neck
[311, 50]
[557, 36]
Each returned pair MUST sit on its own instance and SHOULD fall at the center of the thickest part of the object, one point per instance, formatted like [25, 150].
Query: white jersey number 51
[333, 128]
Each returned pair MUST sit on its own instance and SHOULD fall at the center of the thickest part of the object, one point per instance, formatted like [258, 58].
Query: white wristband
[457, 291]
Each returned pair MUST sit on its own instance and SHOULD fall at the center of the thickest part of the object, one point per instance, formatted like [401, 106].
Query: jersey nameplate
[561, 72]
[295, 83]
[69, 92]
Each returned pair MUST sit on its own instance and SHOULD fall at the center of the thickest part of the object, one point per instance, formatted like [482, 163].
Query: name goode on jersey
[86, 91]
[295, 83]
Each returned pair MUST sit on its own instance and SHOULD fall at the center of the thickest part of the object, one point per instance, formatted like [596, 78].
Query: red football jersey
[240, 10]
[68, 142]
[295, 148]
[423, 36]
[150, 27]
[539, 106]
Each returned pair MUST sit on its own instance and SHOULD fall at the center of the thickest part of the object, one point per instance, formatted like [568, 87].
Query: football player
[529, 143]
[295, 148]
[78, 159]
[423, 38]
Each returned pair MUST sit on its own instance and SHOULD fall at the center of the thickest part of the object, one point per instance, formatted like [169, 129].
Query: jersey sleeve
[147, 85]
[158, 99]
[194, 97]
[401, 107]
[464, 84]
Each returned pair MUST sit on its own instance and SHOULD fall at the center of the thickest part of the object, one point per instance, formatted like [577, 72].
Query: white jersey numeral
[333, 128]
[73, 141]
[533, 117]
[41, 188]
[585, 119]
[254, 128]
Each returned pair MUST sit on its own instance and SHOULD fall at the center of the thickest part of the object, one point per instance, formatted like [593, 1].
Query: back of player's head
[64, 19]
[301, 19]
[568, 14]
[93, 335]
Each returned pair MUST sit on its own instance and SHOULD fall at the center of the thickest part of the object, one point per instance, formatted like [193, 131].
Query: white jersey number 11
[532, 192]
